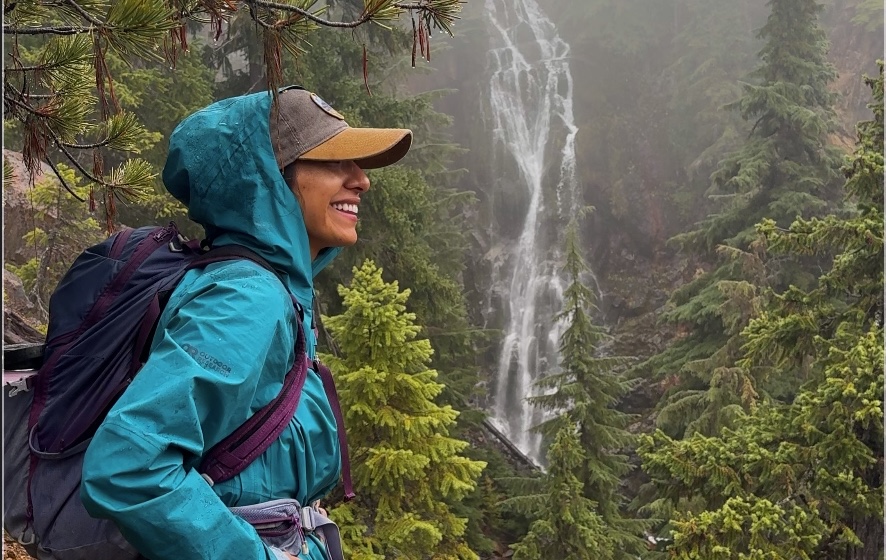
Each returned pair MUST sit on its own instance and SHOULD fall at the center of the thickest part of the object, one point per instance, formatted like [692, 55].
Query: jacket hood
[221, 165]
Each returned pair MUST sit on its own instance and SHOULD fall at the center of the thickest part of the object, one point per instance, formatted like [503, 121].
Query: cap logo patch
[326, 107]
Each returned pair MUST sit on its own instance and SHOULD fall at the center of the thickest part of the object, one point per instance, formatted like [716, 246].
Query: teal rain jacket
[222, 348]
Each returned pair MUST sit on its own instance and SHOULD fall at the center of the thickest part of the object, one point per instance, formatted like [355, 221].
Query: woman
[285, 181]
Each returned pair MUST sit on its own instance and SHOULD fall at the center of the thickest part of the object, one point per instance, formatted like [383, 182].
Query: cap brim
[370, 148]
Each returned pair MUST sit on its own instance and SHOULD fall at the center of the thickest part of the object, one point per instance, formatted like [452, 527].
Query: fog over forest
[625, 106]
[643, 238]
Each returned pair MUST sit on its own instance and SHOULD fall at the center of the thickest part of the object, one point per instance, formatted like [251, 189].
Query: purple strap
[332, 395]
[41, 386]
[144, 331]
[234, 453]
[239, 449]
[120, 242]
[234, 252]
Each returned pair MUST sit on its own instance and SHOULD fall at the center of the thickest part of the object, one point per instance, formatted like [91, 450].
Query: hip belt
[285, 524]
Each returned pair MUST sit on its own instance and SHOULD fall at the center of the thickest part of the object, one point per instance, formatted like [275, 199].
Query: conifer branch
[99, 144]
[139, 29]
[47, 30]
[20, 104]
[61, 146]
[62, 180]
[30, 69]
[85, 14]
[423, 6]
[308, 15]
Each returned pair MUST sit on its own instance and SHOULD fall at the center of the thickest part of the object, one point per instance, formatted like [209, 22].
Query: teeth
[351, 208]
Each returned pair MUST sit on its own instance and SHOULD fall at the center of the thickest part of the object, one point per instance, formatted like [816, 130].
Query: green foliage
[63, 230]
[160, 96]
[784, 169]
[584, 396]
[802, 479]
[408, 467]
[869, 15]
[566, 524]
[748, 524]
[63, 94]
[490, 527]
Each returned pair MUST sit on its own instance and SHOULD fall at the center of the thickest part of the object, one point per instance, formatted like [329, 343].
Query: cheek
[315, 218]
[311, 208]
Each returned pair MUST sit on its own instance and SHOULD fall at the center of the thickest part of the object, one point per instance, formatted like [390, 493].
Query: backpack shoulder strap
[332, 396]
[231, 253]
[234, 453]
[239, 252]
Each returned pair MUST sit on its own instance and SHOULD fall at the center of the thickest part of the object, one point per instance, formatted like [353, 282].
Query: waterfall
[530, 109]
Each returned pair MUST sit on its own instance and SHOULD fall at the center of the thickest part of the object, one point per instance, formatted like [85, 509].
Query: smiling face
[329, 195]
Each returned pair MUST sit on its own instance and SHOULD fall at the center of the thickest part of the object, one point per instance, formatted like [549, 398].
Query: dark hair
[291, 181]
[289, 174]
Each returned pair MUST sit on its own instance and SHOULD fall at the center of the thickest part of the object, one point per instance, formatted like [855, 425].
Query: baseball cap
[305, 127]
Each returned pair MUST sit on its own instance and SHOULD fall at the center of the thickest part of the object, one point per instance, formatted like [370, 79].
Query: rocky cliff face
[625, 239]
[18, 213]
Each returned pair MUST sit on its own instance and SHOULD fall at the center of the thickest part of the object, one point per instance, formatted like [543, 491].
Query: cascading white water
[530, 103]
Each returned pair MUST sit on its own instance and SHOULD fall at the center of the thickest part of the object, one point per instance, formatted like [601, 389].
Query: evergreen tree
[585, 394]
[406, 465]
[713, 48]
[785, 169]
[567, 525]
[64, 96]
[805, 479]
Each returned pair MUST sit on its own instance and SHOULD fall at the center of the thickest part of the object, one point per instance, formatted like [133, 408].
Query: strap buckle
[28, 536]
[307, 519]
[20, 386]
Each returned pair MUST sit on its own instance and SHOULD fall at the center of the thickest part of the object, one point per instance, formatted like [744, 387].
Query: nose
[357, 179]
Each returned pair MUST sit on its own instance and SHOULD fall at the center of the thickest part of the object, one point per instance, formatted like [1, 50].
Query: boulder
[20, 316]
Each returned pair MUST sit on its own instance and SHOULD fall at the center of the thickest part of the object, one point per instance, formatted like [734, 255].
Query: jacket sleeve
[223, 329]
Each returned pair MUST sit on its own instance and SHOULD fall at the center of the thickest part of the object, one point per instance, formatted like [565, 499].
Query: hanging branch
[428, 42]
[414, 38]
[443, 18]
[366, 70]
[62, 180]
[56, 95]
[273, 55]
[102, 75]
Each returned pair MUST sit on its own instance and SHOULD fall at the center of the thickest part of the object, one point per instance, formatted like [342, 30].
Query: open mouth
[344, 208]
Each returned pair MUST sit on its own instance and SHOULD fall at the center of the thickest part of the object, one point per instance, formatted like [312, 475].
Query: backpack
[102, 318]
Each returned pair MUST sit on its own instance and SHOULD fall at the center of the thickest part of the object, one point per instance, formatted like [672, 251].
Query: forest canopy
[717, 386]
